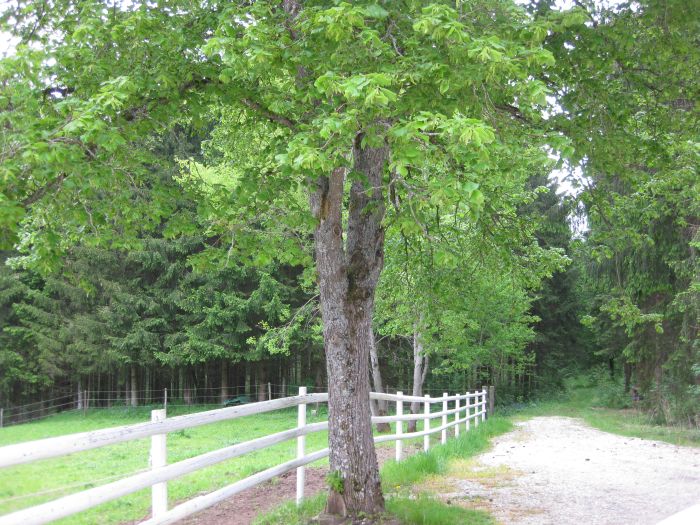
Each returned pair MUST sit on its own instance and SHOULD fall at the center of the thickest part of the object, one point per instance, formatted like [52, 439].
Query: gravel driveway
[556, 470]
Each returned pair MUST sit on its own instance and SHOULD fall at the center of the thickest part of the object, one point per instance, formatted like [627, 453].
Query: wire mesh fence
[89, 401]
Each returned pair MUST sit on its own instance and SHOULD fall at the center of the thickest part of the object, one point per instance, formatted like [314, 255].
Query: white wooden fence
[473, 409]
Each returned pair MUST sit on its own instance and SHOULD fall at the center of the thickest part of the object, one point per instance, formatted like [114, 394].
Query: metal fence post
[159, 491]
[444, 417]
[399, 427]
[301, 447]
[426, 423]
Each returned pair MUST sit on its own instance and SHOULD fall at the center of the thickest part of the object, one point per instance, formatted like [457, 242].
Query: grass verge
[403, 474]
[429, 511]
[584, 402]
[398, 478]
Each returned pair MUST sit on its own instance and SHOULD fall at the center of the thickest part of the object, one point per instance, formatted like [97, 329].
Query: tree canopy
[193, 186]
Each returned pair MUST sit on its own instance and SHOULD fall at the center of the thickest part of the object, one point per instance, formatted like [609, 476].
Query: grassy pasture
[41, 481]
[27, 485]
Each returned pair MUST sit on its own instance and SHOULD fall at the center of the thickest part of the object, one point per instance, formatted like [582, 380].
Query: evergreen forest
[229, 200]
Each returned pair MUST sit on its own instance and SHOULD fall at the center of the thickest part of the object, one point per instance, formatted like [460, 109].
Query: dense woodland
[211, 197]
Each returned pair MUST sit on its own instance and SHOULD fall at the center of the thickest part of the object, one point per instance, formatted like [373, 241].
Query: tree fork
[347, 283]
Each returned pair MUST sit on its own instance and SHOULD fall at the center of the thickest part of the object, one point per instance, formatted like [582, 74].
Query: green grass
[421, 511]
[289, 514]
[583, 401]
[402, 474]
[61, 476]
[27, 485]
[398, 479]
[428, 511]
[35, 483]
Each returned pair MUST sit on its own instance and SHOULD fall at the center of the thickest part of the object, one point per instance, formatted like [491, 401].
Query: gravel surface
[556, 470]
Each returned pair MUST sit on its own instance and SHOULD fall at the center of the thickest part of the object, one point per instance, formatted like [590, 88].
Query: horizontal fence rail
[63, 445]
[474, 409]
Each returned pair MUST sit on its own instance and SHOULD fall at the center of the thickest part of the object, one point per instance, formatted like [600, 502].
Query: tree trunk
[224, 381]
[420, 370]
[186, 389]
[347, 278]
[133, 383]
[627, 368]
[262, 384]
[378, 407]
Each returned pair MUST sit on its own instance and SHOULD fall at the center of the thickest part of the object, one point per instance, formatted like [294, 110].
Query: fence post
[426, 423]
[444, 418]
[165, 398]
[301, 446]
[85, 402]
[483, 408]
[468, 412]
[457, 416]
[269, 391]
[399, 428]
[2, 410]
[492, 399]
[159, 491]
[476, 408]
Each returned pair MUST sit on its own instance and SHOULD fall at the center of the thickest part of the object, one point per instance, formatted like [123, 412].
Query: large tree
[377, 111]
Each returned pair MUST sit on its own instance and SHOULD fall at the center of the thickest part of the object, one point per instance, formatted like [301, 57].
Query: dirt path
[555, 470]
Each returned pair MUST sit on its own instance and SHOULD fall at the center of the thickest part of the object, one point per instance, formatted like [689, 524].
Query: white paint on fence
[468, 411]
[399, 427]
[160, 472]
[457, 417]
[444, 418]
[426, 423]
[159, 491]
[301, 447]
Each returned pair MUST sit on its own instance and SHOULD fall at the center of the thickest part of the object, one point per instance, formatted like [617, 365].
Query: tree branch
[38, 194]
[269, 115]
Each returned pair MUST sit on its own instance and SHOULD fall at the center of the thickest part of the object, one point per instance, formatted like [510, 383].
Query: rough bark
[348, 274]
[379, 408]
[420, 370]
